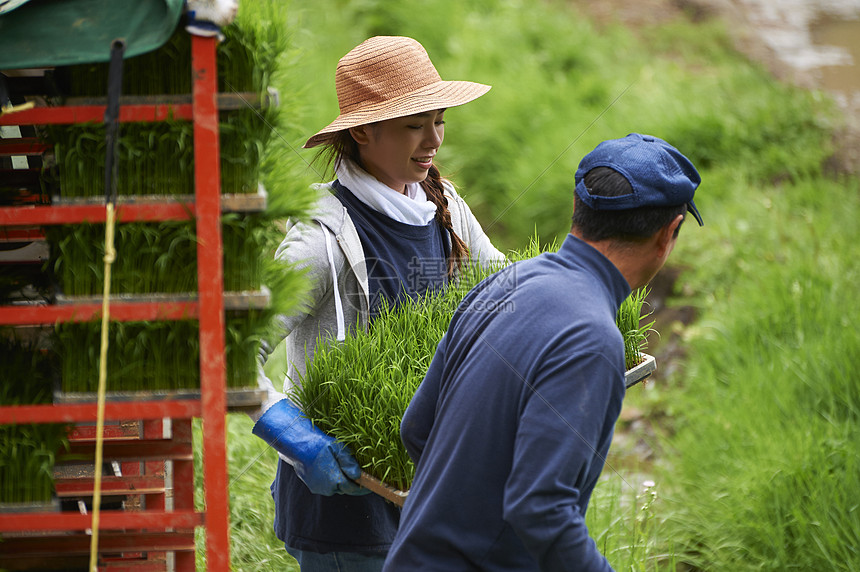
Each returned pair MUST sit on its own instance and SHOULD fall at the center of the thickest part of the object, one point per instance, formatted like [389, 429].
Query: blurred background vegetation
[751, 432]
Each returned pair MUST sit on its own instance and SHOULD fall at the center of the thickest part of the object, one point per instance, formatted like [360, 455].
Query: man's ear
[666, 235]
[360, 133]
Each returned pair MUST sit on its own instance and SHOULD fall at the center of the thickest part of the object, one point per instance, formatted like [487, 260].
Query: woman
[388, 227]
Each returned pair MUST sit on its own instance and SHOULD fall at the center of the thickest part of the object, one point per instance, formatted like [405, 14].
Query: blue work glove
[324, 464]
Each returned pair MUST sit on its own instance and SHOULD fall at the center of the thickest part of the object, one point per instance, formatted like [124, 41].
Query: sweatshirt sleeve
[560, 447]
[297, 252]
[303, 248]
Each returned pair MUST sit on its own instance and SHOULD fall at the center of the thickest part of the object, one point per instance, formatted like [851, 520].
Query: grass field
[758, 442]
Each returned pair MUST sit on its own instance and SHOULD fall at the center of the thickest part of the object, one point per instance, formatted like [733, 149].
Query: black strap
[5, 99]
[112, 117]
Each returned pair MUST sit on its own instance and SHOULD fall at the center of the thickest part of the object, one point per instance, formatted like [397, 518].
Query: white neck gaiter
[413, 208]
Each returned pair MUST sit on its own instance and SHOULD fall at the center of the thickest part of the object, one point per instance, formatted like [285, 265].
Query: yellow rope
[110, 256]
[5, 110]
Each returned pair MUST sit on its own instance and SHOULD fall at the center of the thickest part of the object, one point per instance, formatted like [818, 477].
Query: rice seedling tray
[238, 399]
[640, 372]
[244, 300]
[223, 101]
[384, 490]
[230, 202]
[52, 505]
[35, 251]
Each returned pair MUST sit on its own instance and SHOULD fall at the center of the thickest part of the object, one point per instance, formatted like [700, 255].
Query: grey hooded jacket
[329, 248]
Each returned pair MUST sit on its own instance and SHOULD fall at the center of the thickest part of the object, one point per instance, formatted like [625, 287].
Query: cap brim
[439, 95]
[691, 207]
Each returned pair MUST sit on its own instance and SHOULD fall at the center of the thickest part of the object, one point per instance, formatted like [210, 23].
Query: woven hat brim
[439, 95]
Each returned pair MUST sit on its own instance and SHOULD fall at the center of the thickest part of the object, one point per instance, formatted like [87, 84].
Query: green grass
[767, 444]
[757, 455]
[560, 87]
[251, 467]
[624, 521]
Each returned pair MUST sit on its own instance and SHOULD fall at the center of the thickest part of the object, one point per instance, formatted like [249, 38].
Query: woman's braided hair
[343, 146]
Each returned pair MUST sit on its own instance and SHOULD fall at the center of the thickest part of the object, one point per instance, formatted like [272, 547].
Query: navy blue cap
[659, 174]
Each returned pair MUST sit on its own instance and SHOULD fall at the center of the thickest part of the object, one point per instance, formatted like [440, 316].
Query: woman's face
[400, 151]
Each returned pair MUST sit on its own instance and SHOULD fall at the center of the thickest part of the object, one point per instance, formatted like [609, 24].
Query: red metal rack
[154, 529]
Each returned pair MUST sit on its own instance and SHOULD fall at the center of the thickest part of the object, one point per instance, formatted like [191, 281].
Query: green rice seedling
[252, 51]
[159, 356]
[629, 321]
[27, 452]
[151, 257]
[243, 334]
[248, 329]
[245, 135]
[162, 258]
[142, 75]
[143, 356]
[157, 158]
[246, 60]
[153, 159]
[245, 238]
[154, 356]
[27, 455]
[27, 458]
[629, 317]
[158, 257]
[27, 371]
[358, 390]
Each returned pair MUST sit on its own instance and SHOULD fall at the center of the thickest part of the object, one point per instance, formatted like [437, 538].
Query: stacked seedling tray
[158, 260]
[27, 451]
[358, 390]
[193, 292]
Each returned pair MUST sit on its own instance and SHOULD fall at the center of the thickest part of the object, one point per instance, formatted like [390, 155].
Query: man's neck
[627, 257]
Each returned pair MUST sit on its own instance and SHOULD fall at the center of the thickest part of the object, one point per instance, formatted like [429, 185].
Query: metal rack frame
[151, 529]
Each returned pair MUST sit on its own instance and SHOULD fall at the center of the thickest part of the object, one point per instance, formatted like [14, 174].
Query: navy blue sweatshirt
[510, 428]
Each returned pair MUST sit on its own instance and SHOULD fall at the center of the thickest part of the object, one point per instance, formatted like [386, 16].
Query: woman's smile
[424, 162]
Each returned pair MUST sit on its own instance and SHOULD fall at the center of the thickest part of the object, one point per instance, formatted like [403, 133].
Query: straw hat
[390, 76]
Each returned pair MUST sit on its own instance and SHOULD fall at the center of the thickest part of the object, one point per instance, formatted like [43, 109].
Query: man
[510, 428]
